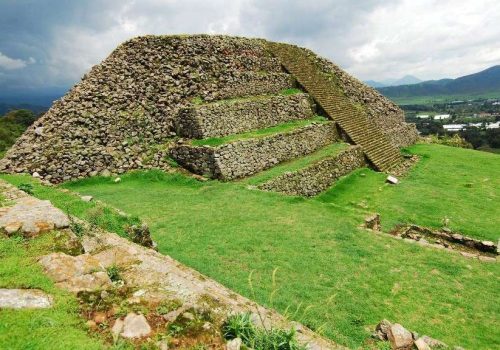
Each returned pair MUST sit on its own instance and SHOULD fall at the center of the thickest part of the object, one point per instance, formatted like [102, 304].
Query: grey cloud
[373, 39]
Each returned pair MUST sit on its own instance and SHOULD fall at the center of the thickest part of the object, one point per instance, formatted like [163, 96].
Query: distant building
[423, 116]
[442, 116]
[454, 127]
[496, 103]
[493, 125]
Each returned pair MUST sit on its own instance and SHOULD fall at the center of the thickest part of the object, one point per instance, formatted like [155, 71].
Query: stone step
[381, 153]
[226, 117]
[318, 176]
[246, 157]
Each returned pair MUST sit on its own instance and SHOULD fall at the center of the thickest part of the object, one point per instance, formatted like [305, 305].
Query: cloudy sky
[51, 43]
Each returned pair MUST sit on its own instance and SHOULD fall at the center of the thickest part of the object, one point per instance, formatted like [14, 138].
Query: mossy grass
[281, 128]
[338, 279]
[58, 327]
[296, 164]
[291, 91]
[95, 213]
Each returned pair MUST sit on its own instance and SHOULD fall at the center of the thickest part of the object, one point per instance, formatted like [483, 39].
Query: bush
[452, 141]
[27, 188]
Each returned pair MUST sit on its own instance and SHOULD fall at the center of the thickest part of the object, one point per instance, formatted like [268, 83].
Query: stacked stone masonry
[389, 118]
[319, 176]
[352, 118]
[123, 112]
[246, 157]
[224, 118]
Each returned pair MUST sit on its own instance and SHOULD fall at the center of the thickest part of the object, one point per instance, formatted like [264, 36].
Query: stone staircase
[379, 151]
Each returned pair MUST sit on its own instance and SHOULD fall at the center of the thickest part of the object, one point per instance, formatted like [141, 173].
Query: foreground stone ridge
[144, 279]
[24, 299]
[122, 114]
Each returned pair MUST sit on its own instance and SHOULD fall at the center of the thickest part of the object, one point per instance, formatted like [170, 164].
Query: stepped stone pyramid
[223, 107]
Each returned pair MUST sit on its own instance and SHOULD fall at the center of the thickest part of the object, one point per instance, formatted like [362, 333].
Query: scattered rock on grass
[234, 344]
[87, 198]
[421, 344]
[372, 222]
[400, 337]
[24, 299]
[135, 326]
[392, 180]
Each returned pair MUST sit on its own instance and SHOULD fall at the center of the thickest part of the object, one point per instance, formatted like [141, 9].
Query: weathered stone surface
[135, 326]
[87, 198]
[421, 344]
[75, 273]
[24, 299]
[31, 216]
[319, 176]
[392, 180]
[433, 343]
[109, 121]
[158, 278]
[224, 118]
[372, 222]
[382, 330]
[245, 157]
[234, 344]
[400, 337]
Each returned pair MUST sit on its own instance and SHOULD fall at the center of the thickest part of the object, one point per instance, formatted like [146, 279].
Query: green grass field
[333, 276]
[59, 327]
[423, 100]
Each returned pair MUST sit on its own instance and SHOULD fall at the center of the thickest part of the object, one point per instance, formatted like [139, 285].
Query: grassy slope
[459, 184]
[59, 327]
[345, 279]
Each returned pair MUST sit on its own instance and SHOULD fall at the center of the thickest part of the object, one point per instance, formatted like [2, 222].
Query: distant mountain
[35, 99]
[406, 80]
[6, 107]
[486, 81]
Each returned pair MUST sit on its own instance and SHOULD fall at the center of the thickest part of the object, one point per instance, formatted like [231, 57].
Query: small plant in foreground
[241, 326]
[114, 273]
[27, 188]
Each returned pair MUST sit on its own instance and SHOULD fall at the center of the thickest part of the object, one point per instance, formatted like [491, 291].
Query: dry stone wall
[115, 119]
[219, 119]
[126, 104]
[319, 176]
[246, 157]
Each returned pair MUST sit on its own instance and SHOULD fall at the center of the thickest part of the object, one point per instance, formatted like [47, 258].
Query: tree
[22, 117]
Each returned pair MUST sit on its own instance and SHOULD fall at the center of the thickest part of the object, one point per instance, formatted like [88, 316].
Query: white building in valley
[454, 127]
[442, 116]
